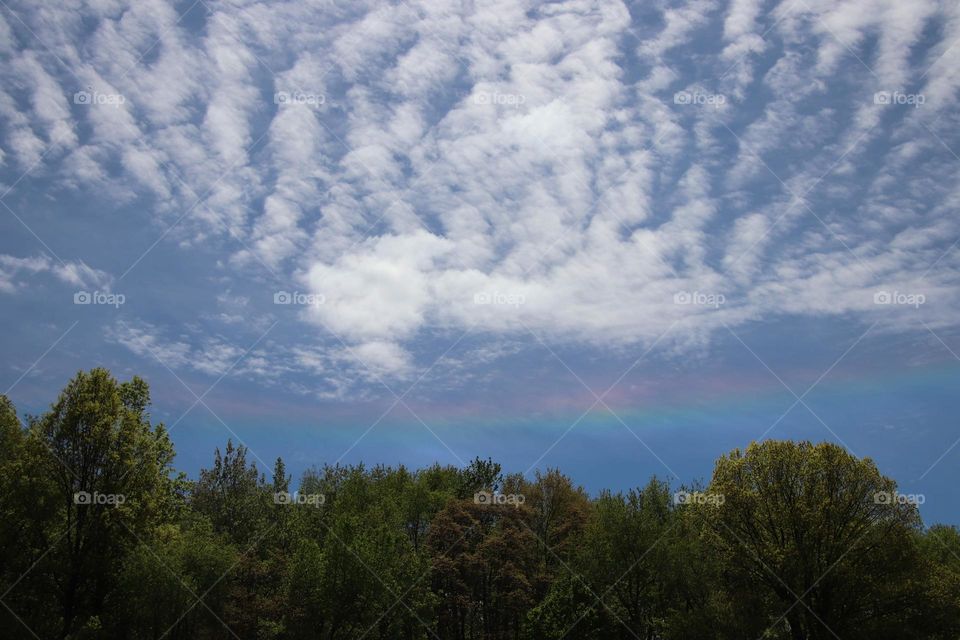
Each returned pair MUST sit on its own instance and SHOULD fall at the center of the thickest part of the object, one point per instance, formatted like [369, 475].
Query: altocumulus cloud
[595, 172]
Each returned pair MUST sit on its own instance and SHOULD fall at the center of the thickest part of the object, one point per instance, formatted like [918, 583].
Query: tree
[479, 475]
[559, 513]
[160, 585]
[484, 569]
[98, 478]
[626, 559]
[940, 549]
[233, 495]
[823, 533]
[570, 610]
[101, 538]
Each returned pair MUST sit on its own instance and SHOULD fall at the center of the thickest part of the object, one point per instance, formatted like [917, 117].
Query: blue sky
[621, 239]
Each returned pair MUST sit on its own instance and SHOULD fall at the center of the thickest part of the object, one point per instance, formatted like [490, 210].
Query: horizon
[605, 456]
[602, 237]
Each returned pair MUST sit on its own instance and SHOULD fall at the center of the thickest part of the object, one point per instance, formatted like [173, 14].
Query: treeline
[100, 537]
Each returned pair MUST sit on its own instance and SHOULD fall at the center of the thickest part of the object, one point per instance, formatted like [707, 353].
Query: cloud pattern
[599, 173]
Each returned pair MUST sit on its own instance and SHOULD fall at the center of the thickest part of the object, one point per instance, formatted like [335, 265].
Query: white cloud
[14, 270]
[532, 153]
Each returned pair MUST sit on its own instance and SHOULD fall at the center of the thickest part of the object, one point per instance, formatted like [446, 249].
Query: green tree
[626, 559]
[484, 569]
[823, 533]
[96, 481]
[940, 550]
[161, 585]
[233, 495]
[559, 512]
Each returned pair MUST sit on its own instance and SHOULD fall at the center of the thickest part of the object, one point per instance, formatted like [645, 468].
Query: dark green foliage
[788, 541]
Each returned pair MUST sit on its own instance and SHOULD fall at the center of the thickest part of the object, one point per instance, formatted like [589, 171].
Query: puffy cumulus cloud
[379, 293]
[578, 169]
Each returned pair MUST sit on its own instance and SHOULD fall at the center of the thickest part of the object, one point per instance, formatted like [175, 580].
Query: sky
[617, 238]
